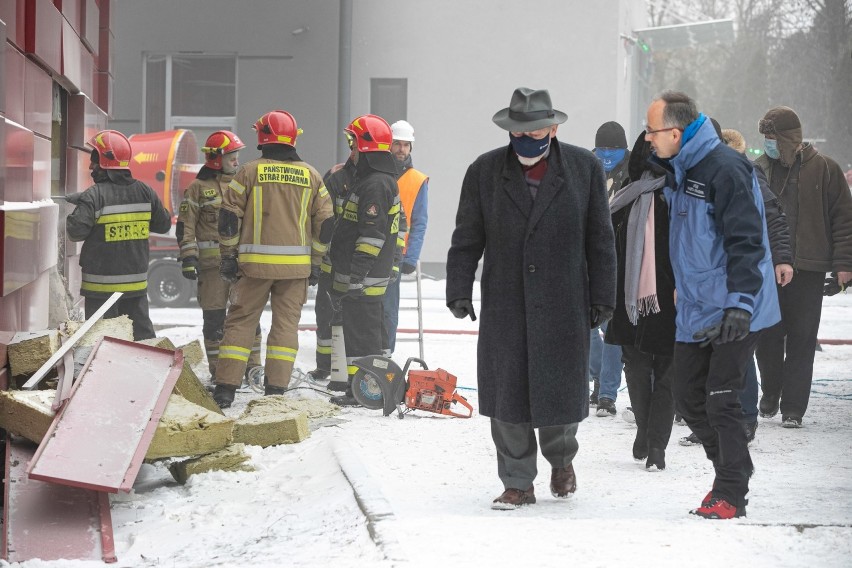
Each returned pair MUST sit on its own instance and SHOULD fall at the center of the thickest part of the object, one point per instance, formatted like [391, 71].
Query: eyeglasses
[652, 132]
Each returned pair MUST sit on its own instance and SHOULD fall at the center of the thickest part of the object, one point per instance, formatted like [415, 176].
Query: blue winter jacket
[718, 239]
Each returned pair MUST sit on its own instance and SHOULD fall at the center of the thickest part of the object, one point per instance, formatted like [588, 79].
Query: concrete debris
[28, 351]
[232, 458]
[193, 352]
[270, 420]
[187, 429]
[27, 413]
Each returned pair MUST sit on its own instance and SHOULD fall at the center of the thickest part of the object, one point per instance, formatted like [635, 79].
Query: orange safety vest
[409, 186]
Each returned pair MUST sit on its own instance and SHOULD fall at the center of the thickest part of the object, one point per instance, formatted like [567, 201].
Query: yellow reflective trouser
[248, 298]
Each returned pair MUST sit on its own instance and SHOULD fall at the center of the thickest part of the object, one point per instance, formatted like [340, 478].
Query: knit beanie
[610, 135]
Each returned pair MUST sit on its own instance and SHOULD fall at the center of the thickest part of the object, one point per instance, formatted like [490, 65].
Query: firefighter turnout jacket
[113, 220]
[280, 208]
[364, 245]
[198, 220]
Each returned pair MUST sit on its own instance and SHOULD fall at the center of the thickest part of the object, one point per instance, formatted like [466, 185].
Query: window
[389, 98]
[190, 90]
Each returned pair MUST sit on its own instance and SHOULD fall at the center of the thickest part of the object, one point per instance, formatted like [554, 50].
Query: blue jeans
[390, 306]
[605, 363]
[748, 396]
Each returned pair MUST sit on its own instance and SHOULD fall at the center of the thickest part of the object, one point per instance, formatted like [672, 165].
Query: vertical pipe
[344, 77]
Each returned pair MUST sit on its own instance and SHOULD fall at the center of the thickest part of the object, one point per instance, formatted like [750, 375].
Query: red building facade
[55, 92]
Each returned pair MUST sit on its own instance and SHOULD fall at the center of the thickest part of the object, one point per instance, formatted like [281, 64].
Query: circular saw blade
[366, 390]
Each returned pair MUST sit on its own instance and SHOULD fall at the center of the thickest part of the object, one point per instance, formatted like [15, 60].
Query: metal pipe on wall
[344, 77]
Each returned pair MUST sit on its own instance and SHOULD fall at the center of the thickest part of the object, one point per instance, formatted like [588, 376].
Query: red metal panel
[2, 167]
[99, 438]
[72, 49]
[43, 35]
[41, 168]
[87, 72]
[105, 52]
[19, 163]
[72, 11]
[34, 307]
[91, 25]
[49, 521]
[85, 120]
[10, 310]
[104, 89]
[15, 62]
[12, 13]
[38, 99]
[3, 66]
[105, 7]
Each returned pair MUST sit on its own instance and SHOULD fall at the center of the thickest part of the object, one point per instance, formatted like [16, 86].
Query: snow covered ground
[427, 481]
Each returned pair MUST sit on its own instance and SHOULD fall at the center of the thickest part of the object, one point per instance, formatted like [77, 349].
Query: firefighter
[338, 180]
[274, 223]
[365, 242]
[113, 218]
[198, 237]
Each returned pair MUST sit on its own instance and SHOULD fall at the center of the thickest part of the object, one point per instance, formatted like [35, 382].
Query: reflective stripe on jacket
[199, 213]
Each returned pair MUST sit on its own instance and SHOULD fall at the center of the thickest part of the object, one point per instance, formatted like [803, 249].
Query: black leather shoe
[768, 408]
[563, 482]
[656, 459]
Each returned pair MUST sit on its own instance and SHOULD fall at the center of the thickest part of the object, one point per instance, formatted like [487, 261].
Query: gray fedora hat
[530, 109]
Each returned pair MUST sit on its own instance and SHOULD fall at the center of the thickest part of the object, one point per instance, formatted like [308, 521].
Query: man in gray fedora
[537, 210]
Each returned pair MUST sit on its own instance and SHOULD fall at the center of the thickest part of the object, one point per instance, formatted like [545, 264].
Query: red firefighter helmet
[369, 133]
[218, 144]
[277, 127]
[113, 149]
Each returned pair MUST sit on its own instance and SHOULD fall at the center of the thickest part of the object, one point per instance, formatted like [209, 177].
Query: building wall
[54, 88]
[462, 61]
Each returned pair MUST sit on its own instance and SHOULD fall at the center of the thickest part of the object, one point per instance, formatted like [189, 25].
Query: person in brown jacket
[815, 196]
[275, 221]
[197, 233]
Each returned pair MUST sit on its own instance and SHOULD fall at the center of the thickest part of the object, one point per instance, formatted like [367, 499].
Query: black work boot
[270, 390]
[223, 395]
[345, 400]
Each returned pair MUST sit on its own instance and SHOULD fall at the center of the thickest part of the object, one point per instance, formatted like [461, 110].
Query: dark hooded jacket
[814, 194]
[654, 333]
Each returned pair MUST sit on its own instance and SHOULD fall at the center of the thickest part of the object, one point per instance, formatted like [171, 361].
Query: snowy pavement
[427, 482]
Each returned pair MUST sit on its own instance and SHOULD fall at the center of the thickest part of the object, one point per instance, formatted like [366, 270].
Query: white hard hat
[402, 131]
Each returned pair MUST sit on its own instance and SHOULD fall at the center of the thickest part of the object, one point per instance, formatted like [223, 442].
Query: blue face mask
[610, 157]
[771, 147]
[528, 147]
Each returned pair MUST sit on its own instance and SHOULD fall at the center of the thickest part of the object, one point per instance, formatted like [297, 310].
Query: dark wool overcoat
[546, 261]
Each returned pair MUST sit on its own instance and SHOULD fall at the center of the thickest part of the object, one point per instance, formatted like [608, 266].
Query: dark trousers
[517, 451]
[785, 352]
[323, 312]
[136, 308]
[363, 327]
[649, 382]
[707, 384]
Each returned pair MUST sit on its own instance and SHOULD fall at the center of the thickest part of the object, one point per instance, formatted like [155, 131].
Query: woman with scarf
[644, 319]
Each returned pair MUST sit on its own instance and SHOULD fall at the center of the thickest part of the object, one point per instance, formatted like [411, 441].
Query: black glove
[407, 268]
[598, 315]
[228, 269]
[832, 285]
[189, 268]
[735, 324]
[462, 308]
[313, 279]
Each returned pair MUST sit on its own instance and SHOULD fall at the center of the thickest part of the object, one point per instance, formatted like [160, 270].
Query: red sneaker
[717, 508]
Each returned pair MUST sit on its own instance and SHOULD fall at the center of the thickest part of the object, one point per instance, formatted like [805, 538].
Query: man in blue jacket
[725, 287]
